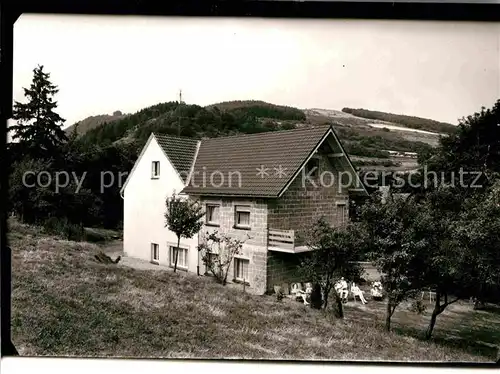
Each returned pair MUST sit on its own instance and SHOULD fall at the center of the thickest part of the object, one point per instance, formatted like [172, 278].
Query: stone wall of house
[255, 247]
[282, 268]
[304, 202]
[300, 206]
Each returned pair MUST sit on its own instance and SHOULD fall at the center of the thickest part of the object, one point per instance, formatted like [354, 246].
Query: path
[115, 248]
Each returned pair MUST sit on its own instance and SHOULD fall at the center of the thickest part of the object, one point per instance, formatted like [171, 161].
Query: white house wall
[144, 209]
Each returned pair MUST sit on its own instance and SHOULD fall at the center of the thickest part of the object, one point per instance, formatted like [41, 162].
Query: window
[343, 213]
[212, 214]
[211, 263]
[182, 260]
[155, 169]
[155, 253]
[242, 216]
[312, 167]
[241, 269]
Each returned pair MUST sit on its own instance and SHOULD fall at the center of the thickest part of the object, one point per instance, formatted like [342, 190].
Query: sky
[437, 70]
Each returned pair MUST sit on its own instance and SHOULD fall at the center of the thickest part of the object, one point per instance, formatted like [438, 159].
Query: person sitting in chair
[357, 292]
[377, 291]
[305, 294]
[342, 289]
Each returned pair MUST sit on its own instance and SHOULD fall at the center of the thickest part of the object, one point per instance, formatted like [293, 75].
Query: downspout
[198, 266]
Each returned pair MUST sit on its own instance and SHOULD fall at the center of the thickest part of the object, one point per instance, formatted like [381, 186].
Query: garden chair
[377, 291]
[357, 292]
[305, 294]
[431, 294]
[342, 289]
[296, 287]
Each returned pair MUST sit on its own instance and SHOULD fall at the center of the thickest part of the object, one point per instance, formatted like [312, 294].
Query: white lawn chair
[357, 292]
[431, 294]
[305, 294]
[295, 289]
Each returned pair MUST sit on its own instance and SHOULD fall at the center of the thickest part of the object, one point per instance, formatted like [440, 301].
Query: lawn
[65, 303]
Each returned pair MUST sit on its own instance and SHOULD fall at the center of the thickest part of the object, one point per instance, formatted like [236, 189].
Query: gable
[331, 149]
[153, 151]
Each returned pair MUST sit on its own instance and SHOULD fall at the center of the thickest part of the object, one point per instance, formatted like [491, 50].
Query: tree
[38, 127]
[74, 133]
[217, 253]
[394, 247]
[183, 218]
[463, 247]
[443, 254]
[472, 151]
[334, 252]
[459, 208]
[478, 232]
[27, 197]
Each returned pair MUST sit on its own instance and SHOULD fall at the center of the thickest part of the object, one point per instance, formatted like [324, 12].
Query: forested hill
[233, 117]
[93, 121]
[196, 121]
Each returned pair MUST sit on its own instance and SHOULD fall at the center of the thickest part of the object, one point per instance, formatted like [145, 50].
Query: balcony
[284, 241]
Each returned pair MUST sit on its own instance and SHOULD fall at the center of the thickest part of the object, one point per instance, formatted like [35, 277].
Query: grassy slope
[64, 303]
[404, 120]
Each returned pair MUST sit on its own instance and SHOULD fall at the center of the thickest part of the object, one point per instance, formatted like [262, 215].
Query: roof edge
[166, 155]
[296, 173]
[228, 194]
[350, 162]
[191, 169]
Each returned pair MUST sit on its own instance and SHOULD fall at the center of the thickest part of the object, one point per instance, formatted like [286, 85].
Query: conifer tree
[38, 128]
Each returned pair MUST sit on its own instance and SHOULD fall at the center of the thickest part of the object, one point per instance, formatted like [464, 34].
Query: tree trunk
[316, 296]
[325, 294]
[388, 315]
[438, 309]
[177, 253]
[435, 312]
[338, 308]
[430, 328]
[325, 299]
[224, 279]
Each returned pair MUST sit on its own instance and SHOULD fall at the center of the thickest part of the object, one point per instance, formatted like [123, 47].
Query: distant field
[65, 303]
[400, 128]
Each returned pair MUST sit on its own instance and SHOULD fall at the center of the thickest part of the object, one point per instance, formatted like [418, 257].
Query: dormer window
[155, 170]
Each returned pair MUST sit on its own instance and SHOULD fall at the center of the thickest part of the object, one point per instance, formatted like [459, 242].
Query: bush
[62, 227]
[52, 225]
[418, 307]
[279, 294]
[94, 236]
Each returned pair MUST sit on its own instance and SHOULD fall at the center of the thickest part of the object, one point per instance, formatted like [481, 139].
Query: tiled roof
[219, 158]
[180, 151]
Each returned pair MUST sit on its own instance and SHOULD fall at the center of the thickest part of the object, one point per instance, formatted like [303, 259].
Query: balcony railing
[283, 241]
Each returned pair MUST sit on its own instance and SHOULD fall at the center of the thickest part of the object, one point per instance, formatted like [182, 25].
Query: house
[270, 187]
